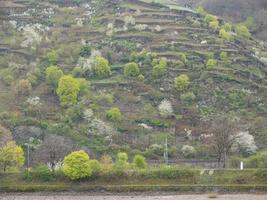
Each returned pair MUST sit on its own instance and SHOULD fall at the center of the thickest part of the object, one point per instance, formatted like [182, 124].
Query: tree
[223, 135]
[131, 69]
[160, 68]
[52, 151]
[181, 83]
[139, 162]
[227, 27]
[53, 74]
[214, 25]
[114, 115]
[187, 98]
[11, 156]
[76, 165]
[242, 31]
[101, 67]
[96, 167]
[121, 163]
[68, 90]
[24, 87]
[85, 51]
[52, 57]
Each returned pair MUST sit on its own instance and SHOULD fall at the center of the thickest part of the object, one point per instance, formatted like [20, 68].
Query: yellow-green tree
[53, 74]
[11, 156]
[101, 67]
[77, 165]
[139, 162]
[68, 90]
[181, 83]
[242, 31]
[131, 69]
[114, 115]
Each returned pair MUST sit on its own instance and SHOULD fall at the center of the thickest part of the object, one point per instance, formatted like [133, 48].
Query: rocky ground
[129, 197]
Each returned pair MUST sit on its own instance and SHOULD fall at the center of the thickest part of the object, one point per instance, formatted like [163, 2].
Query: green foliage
[214, 25]
[225, 35]
[210, 18]
[53, 74]
[242, 31]
[257, 161]
[227, 27]
[139, 162]
[114, 115]
[76, 165]
[24, 87]
[84, 86]
[52, 57]
[68, 90]
[11, 156]
[42, 172]
[160, 67]
[211, 63]
[106, 164]
[200, 10]
[121, 163]
[141, 77]
[77, 72]
[187, 98]
[101, 67]
[181, 83]
[85, 51]
[96, 167]
[183, 58]
[131, 70]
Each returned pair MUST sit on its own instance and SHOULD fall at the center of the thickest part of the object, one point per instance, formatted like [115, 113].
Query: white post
[241, 165]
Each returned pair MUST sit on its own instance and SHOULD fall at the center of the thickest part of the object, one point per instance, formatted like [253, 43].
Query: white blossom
[165, 108]
[245, 143]
[33, 101]
[158, 28]
[141, 27]
[188, 151]
[99, 127]
[88, 115]
[145, 126]
[129, 20]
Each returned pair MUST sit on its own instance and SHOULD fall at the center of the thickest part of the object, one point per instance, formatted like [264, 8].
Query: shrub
[24, 87]
[160, 68]
[77, 72]
[188, 151]
[187, 98]
[210, 18]
[52, 57]
[53, 74]
[181, 83]
[96, 167]
[245, 144]
[141, 77]
[131, 69]
[121, 163]
[106, 164]
[139, 162]
[242, 31]
[42, 172]
[183, 58]
[214, 25]
[211, 63]
[76, 165]
[85, 51]
[165, 108]
[114, 115]
[101, 67]
[225, 35]
[84, 86]
[227, 27]
[68, 90]
[257, 161]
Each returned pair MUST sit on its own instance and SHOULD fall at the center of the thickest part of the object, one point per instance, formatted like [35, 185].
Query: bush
[53, 74]
[181, 83]
[227, 27]
[24, 87]
[225, 35]
[85, 51]
[96, 167]
[141, 77]
[52, 57]
[106, 164]
[160, 68]
[188, 151]
[114, 115]
[139, 162]
[101, 67]
[257, 161]
[211, 63]
[131, 69]
[121, 163]
[187, 98]
[68, 90]
[210, 18]
[42, 172]
[242, 31]
[214, 25]
[76, 165]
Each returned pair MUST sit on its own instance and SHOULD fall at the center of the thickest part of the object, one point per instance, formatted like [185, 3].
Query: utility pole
[166, 152]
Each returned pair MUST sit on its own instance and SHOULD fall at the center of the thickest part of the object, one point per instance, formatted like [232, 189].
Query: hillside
[227, 77]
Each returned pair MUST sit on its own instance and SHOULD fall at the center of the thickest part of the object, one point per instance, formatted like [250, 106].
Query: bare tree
[52, 150]
[223, 133]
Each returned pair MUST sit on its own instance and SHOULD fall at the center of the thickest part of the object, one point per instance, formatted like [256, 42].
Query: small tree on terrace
[53, 74]
[181, 83]
[101, 67]
[223, 135]
[131, 69]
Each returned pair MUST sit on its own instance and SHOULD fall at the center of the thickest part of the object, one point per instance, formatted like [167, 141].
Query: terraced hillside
[226, 77]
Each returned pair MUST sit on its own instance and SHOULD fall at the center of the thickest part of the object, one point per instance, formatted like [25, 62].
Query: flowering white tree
[165, 108]
[188, 151]
[245, 143]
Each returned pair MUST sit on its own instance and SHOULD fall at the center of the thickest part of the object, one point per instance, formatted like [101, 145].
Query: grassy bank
[196, 181]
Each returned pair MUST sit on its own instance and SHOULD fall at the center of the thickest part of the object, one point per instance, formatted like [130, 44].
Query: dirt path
[129, 197]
